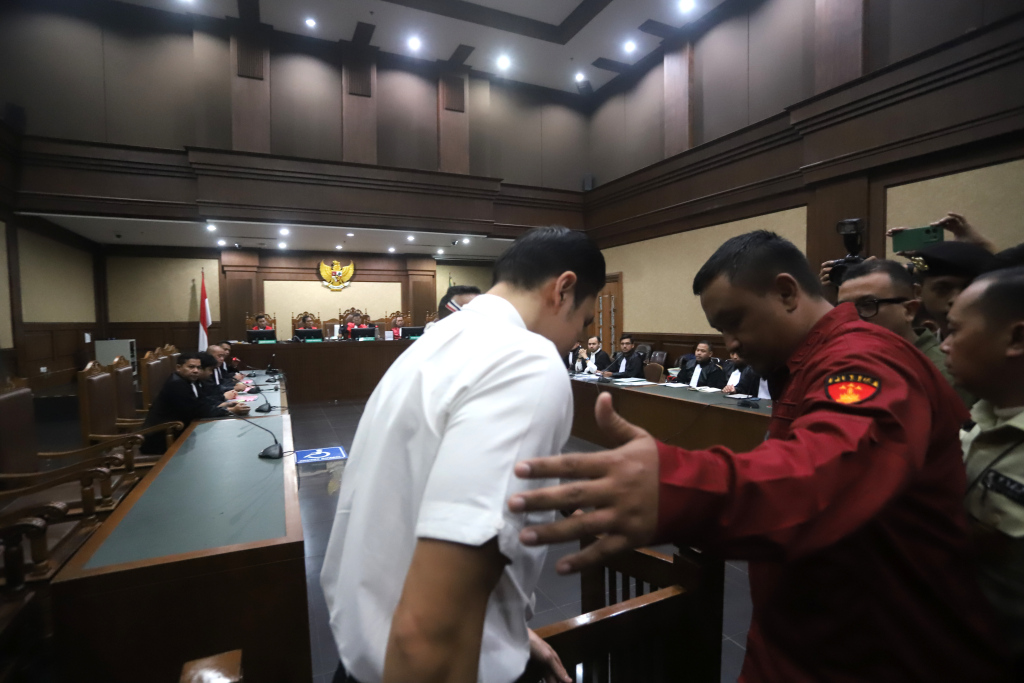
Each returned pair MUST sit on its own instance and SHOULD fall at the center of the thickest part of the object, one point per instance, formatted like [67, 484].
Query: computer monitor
[360, 333]
[411, 332]
[307, 335]
[261, 336]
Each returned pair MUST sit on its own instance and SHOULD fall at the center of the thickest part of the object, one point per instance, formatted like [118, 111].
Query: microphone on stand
[274, 452]
[270, 365]
[266, 407]
[615, 359]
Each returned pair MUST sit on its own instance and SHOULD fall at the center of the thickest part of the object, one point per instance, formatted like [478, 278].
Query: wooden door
[608, 314]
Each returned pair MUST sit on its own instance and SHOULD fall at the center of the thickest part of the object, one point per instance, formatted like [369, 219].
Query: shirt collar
[983, 413]
[925, 338]
[822, 331]
[494, 306]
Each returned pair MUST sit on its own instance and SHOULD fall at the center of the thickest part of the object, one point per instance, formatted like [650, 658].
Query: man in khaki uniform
[985, 353]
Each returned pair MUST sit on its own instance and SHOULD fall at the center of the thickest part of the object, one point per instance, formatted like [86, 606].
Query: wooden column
[453, 122]
[359, 105]
[833, 202]
[838, 42]
[678, 88]
[422, 287]
[250, 86]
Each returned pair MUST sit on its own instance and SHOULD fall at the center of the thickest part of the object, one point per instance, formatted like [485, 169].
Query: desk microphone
[270, 365]
[266, 407]
[274, 452]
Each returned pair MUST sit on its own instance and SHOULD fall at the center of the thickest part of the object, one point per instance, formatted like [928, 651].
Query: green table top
[687, 394]
[214, 491]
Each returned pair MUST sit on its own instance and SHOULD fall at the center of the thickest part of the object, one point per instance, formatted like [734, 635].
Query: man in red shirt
[396, 330]
[261, 323]
[850, 513]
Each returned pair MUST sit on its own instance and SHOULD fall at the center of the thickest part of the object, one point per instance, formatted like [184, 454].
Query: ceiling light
[222, 242]
[415, 44]
[687, 5]
[282, 245]
[311, 22]
[337, 246]
[465, 240]
[504, 62]
[410, 238]
[283, 231]
[211, 227]
[629, 47]
[391, 249]
[580, 77]
[349, 234]
[440, 251]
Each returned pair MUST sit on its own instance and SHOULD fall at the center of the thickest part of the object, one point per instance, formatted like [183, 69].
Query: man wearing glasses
[885, 293]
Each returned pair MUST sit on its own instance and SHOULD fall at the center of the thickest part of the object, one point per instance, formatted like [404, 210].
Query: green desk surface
[213, 492]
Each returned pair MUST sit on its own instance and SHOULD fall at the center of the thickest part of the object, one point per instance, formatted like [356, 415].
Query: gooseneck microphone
[270, 365]
[273, 452]
[266, 407]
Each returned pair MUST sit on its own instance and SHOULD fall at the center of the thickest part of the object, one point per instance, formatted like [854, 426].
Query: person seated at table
[182, 400]
[743, 379]
[592, 359]
[397, 325]
[261, 322]
[455, 298]
[701, 370]
[569, 359]
[230, 365]
[306, 323]
[220, 378]
[627, 362]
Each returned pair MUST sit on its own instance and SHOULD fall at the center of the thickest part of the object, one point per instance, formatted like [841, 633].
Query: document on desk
[582, 377]
[707, 390]
[633, 382]
[675, 385]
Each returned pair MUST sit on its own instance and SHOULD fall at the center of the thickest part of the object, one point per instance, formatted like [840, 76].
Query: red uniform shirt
[851, 514]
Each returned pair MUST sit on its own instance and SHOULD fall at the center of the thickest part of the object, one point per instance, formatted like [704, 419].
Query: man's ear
[788, 291]
[565, 287]
[911, 308]
[1015, 349]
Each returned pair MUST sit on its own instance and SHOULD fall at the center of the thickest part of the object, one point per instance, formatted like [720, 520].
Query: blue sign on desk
[320, 455]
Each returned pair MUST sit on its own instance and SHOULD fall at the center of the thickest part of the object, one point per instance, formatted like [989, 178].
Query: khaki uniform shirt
[928, 344]
[994, 458]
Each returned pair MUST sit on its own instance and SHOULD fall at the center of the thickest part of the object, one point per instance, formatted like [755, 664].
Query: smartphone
[913, 239]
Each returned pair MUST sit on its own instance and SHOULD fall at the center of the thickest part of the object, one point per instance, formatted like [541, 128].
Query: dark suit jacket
[572, 354]
[634, 366]
[601, 360]
[749, 382]
[176, 403]
[711, 375]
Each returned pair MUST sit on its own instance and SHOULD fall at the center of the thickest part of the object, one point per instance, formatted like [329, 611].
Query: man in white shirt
[594, 359]
[424, 575]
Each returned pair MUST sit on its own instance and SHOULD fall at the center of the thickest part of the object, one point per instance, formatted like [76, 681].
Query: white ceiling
[533, 61]
[320, 238]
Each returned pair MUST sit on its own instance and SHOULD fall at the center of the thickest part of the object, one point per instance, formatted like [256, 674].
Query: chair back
[297, 320]
[17, 424]
[154, 369]
[430, 317]
[644, 350]
[683, 359]
[653, 372]
[351, 313]
[659, 357]
[97, 401]
[124, 386]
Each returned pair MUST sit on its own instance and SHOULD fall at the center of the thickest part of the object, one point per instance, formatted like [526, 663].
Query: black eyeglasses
[868, 308]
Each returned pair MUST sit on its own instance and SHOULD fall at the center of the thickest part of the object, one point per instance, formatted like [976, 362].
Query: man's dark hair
[260, 315]
[626, 335]
[753, 261]
[454, 291]
[544, 253]
[189, 355]
[902, 280]
[705, 342]
[1002, 301]
[594, 336]
[222, 343]
[206, 360]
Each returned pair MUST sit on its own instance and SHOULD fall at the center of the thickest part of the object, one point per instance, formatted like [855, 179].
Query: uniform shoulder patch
[851, 387]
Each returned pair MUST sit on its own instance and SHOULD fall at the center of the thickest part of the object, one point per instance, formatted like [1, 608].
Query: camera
[852, 230]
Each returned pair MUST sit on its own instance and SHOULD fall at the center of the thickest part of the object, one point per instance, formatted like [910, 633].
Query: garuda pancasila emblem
[336, 278]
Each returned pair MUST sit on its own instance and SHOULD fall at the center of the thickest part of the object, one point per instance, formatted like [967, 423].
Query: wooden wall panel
[359, 109]
[517, 127]
[678, 74]
[407, 119]
[250, 101]
[838, 42]
[211, 65]
[453, 124]
[564, 149]
[305, 103]
[721, 79]
[781, 56]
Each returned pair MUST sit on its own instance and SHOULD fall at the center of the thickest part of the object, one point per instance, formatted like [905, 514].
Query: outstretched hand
[621, 485]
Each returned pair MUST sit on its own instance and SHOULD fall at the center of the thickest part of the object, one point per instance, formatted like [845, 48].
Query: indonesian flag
[204, 317]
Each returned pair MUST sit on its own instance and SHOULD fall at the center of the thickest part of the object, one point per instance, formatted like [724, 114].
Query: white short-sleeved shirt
[433, 458]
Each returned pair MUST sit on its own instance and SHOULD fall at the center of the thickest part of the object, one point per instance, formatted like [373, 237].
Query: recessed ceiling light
[415, 44]
[391, 249]
[211, 227]
[283, 231]
[311, 22]
[222, 242]
[410, 238]
[349, 234]
[504, 62]
[687, 5]
[580, 77]
[337, 246]
[282, 245]
[440, 251]
[629, 47]
[465, 240]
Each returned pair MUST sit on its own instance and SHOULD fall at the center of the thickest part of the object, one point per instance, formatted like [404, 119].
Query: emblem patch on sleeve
[851, 387]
